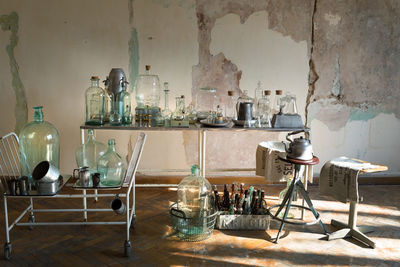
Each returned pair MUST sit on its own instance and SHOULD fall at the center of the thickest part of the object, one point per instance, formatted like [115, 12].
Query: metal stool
[287, 201]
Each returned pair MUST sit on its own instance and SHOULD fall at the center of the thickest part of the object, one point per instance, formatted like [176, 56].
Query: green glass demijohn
[195, 196]
[89, 153]
[95, 103]
[38, 141]
[111, 166]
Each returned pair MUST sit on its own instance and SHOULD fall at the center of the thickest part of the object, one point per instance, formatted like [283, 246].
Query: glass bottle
[95, 103]
[128, 117]
[111, 166]
[108, 100]
[89, 153]
[166, 112]
[258, 92]
[38, 141]
[264, 109]
[277, 105]
[191, 114]
[206, 102]
[230, 107]
[123, 102]
[115, 116]
[195, 197]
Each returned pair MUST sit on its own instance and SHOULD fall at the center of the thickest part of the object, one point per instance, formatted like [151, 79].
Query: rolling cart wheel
[31, 219]
[127, 248]
[7, 251]
[133, 223]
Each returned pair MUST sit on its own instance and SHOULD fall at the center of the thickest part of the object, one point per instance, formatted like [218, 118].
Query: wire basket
[191, 229]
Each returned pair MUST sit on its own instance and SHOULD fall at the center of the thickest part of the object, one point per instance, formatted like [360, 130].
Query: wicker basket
[191, 229]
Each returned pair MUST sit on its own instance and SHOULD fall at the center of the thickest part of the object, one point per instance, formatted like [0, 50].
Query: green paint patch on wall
[133, 57]
[357, 114]
[10, 23]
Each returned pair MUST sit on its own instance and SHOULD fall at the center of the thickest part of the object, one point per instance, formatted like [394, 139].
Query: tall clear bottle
[277, 105]
[111, 166]
[108, 97]
[124, 104]
[89, 153]
[264, 109]
[230, 107]
[166, 112]
[95, 103]
[258, 92]
[38, 141]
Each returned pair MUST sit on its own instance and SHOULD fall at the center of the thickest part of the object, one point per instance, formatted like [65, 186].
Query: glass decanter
[89, 153]
[147, 88]
[95, 103]
[111, 166]
[38, 141]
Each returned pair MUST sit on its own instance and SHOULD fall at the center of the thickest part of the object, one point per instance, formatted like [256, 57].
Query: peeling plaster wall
[340, 58]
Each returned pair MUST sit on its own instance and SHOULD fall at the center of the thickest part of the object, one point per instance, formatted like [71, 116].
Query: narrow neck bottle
[94, 82]
[166, 98]
[195, 170]
[38, 114]
[90, 136]
[111, 145]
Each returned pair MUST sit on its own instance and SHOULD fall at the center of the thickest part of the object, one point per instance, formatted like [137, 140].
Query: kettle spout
[287, 149]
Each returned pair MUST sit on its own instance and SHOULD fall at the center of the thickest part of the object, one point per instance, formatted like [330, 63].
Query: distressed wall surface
[340, 58]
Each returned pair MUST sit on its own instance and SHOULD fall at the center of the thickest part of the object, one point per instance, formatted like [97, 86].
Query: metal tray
[77, 185]
[224, 124]
[63, 179]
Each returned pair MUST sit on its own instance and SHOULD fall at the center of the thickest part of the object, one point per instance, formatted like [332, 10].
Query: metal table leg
[202, 152]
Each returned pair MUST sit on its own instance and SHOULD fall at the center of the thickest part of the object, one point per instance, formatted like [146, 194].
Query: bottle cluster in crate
[241, 201]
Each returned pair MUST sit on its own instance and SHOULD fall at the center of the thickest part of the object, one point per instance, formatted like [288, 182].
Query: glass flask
[38, 141]
[95, 103]
[245, 107]
[206, 102]
[147, 88]
[195, 197]
[108, 100]
[264, 109]
[123, 104]
[179, 113]
[89, 153]
[111, 166]
[166, 112]
[230, 106]
[258, 92]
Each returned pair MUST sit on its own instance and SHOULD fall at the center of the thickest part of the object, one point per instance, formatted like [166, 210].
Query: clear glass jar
[195, 197]
[148, 89]
[206, 102]
[179, 113]
[111, 166]
[258, 92]
[230, 106]
[278, 101]
[95, 103]
[38, 141]
[89, 153]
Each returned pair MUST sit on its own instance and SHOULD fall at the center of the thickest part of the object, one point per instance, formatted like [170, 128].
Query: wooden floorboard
[152, 244]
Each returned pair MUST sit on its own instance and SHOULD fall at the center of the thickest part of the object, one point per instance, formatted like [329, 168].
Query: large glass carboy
[111, 166]
[206, 102]
[147, 87]
[95, 103]
[195, 196]
[89, 153]
[38, 141]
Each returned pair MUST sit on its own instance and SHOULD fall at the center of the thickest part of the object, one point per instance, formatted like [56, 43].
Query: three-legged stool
[287, 201]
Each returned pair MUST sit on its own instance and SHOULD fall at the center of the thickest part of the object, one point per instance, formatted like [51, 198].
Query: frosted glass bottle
[111, 166]
[195, 196]
[38, 141]
[89, 153]
[95, 100]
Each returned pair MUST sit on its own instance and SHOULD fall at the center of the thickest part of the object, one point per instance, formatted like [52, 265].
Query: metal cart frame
[10, 168]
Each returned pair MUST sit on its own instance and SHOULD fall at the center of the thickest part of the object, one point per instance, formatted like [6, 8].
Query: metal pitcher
[116, 76]
[83, 174]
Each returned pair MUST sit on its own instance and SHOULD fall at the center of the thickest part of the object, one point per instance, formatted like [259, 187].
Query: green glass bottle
[89, 153]
[38, 141]
[95, 98]
[111, 166]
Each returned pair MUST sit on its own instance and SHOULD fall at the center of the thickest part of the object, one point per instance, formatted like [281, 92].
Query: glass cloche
[147, 88]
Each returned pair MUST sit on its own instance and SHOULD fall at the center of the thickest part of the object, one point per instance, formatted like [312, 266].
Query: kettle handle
[296, 132]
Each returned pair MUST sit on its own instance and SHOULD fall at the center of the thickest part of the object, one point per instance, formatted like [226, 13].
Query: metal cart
[10, 169]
